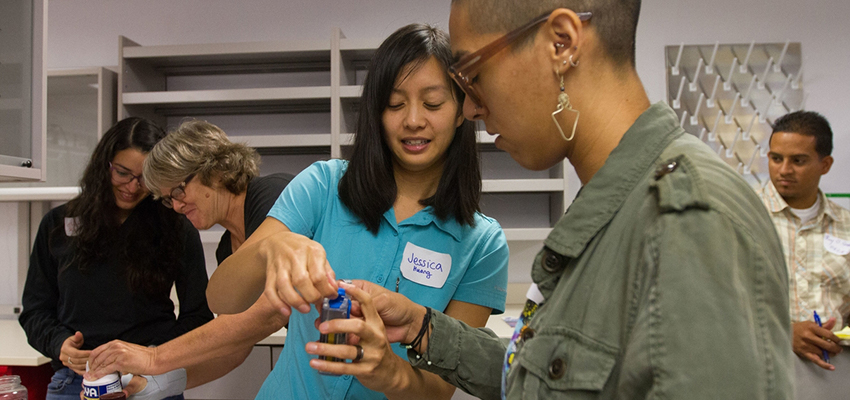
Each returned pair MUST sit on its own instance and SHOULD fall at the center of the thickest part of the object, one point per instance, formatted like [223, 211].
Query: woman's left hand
[379, 366]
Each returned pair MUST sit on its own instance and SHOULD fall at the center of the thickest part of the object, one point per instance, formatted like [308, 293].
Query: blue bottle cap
[337, 302]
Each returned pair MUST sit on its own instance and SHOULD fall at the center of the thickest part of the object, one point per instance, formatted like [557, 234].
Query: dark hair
[615, 21]
[151, 248]
[368, 187]
[807, 123]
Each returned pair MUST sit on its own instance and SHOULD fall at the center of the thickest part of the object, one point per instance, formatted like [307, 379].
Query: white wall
[818, 24]
[85, 33]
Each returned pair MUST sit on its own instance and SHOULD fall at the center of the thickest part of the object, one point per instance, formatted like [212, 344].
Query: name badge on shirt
[835, 245]
[425, 267]
[71, 225]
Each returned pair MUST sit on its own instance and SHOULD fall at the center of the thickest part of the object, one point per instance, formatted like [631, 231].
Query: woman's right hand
[402, 318]
[71, 355]
[297, 272]
[121, 356]
[289, 269]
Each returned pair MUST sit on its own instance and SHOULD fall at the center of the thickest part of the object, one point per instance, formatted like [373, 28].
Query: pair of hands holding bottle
[379, 317]
[298, 279]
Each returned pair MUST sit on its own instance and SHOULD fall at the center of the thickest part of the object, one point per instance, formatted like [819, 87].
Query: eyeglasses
[464, 70]
[122, 176]
[178, 193]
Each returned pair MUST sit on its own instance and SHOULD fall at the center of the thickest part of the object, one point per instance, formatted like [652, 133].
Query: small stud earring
[559, 45]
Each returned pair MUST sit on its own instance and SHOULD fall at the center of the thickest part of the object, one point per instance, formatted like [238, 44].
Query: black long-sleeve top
[59, 301]
[260, 196]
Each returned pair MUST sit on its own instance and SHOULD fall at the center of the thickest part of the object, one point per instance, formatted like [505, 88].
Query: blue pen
[825, 353]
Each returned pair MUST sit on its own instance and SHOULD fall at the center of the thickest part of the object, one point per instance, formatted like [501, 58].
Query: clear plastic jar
[11, 388]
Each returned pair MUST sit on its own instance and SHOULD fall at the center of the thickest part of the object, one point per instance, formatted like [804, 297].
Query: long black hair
[150, 248]
[368, 187]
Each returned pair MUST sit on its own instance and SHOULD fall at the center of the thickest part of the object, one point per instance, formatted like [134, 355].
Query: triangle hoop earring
[564, 104]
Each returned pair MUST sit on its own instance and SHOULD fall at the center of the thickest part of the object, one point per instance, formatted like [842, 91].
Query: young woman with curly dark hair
[103, 264]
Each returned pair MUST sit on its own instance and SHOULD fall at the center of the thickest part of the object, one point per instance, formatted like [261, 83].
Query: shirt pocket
[560, 362]
[836, 273]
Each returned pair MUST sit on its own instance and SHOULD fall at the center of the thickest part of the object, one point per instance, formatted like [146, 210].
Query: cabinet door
[80, 107]
[242, 383]
[22, 89]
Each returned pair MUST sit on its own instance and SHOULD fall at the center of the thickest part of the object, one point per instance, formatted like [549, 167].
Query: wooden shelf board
[229, 52]
[527, 234]
[350, 92]
[263, 141]
[227, 95]
[522, 185]
[62, 193]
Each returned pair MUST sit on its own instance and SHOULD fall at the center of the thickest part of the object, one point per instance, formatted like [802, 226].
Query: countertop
[14, 349]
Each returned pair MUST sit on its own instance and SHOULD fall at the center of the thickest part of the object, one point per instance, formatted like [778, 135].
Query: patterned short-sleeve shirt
[818, 258]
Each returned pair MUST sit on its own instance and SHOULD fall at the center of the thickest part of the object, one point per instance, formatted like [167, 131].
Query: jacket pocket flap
[567, 360]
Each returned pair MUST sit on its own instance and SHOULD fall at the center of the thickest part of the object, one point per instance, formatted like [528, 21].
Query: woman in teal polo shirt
[402, 212]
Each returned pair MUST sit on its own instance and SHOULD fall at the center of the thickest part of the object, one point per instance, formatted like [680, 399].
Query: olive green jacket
[664, 279]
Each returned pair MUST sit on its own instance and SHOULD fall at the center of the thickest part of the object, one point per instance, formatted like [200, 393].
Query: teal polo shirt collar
[604, 195]
[424, 217]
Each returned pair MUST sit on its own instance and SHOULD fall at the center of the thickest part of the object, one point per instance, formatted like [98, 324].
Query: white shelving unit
[296, 102]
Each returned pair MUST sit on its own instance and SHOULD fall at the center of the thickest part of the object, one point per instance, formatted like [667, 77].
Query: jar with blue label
[93, 390]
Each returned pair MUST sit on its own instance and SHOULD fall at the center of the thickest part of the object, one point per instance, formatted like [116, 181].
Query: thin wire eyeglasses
[178, 193]
[464, 70]
[121, 176]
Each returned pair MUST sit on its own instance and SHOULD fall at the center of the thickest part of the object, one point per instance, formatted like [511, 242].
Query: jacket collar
[601, 198]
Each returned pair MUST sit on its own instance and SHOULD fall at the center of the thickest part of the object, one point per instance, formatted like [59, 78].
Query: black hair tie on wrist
[426, 322]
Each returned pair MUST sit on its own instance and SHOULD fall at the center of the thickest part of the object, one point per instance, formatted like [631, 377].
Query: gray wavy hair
[202, 149]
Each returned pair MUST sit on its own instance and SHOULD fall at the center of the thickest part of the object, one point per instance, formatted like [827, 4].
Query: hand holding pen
[812, 341]
[817, 320]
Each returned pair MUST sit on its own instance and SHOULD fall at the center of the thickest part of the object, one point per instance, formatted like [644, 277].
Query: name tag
[835, 245]
[71, 226]
[425, 267]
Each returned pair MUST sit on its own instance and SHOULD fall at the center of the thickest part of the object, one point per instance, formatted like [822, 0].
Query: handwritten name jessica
[424, 266]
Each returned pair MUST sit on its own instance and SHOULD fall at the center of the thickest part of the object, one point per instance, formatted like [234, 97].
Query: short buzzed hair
[807, 123]
[615, 21]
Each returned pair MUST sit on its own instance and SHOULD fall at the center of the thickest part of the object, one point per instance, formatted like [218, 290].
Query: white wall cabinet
[80, 107]
[244, 381]
[23, 42]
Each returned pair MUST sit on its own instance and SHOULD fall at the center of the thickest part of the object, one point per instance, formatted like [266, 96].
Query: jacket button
[527, 334]
[665, 169]
[552, 262]
[557, 368]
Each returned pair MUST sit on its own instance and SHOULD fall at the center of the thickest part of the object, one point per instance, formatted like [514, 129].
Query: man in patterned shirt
[815, 232]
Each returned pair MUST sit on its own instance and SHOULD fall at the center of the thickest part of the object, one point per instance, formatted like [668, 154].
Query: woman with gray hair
[197, 171]
[200, 173]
